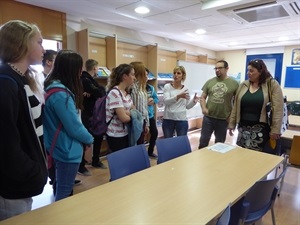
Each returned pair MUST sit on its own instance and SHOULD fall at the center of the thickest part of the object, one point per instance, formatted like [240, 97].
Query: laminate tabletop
[289, 134]
[191, 189]
[294, 120]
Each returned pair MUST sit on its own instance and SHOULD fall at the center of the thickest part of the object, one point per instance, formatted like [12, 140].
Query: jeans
[169, 126]
[210, 125]
[153, 135]
[13, 207]
[65, 177]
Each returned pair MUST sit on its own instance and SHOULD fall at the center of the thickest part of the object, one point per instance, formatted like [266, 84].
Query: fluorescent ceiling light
[209, 4]
[141, 10]
[233, 43]
[191, 34]
[200, 31]
[283, 38]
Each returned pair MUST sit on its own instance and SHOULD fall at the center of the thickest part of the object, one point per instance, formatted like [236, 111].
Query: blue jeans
[169, 126]
[13, 207]
[210, 125]
[65, 177]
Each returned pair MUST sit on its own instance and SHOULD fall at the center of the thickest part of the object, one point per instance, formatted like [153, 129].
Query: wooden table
[294, 121]
[192, 189]
[286, 144]
[289, 134]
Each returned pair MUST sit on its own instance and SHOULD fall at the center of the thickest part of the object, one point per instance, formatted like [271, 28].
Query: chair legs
[284, 167]
[273, 216]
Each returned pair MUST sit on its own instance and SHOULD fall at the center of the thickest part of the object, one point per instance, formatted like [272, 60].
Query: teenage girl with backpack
[118, 105]
[63, 108]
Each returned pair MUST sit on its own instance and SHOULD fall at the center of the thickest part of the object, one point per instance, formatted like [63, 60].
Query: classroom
[168, 193]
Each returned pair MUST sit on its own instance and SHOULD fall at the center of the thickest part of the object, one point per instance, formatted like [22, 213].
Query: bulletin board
[292, 77]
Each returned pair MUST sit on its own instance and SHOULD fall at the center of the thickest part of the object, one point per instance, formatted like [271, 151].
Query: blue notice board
[292, 77]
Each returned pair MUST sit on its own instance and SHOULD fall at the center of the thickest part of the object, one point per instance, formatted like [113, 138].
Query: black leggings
[117, 143]
[153, 135]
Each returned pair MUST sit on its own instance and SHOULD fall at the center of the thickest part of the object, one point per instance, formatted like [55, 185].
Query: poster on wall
[296, 56]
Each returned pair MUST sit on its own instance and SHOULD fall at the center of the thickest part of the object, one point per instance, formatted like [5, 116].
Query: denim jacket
[135, 127]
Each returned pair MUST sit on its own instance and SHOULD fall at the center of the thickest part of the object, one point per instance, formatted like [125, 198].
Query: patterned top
[36, 111]
[220, 94]
[114, 100]
[140, 101]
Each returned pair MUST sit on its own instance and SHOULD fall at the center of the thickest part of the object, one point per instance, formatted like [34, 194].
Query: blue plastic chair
[225, 217]
[170, 148]
[258, 201]
[127, 161]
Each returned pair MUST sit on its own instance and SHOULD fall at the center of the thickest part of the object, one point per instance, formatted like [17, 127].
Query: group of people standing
[226, 104]
[26, 127]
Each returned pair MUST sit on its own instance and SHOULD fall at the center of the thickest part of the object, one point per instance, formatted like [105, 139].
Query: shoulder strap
[118, 91]
[269, 89]
[58, 129]
[51, 91]
[114, 110]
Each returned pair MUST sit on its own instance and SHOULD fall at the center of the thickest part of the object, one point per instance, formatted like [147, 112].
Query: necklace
[16, 69]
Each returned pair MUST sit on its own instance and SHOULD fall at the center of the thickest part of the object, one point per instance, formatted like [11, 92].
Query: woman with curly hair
[118, 105]
[249, 110]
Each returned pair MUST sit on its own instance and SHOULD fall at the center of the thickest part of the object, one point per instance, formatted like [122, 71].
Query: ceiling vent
[262, 12]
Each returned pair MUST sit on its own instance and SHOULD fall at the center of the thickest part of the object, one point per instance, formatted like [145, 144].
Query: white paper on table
[221, 147]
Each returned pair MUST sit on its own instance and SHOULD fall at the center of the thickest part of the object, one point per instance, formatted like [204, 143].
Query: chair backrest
[127, 161]
[262, 193]
[295, 153]
[225, 217]
[257, 202]
[170, 148]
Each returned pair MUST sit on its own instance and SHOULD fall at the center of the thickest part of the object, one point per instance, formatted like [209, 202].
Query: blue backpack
[98, 124]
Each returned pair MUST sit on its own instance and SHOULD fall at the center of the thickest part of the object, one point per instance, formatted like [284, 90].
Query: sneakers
[77, 182]
[84, 171]
[99, 165]
[153, 156]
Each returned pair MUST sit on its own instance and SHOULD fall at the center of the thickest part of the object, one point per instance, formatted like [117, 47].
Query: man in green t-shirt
[216, 103]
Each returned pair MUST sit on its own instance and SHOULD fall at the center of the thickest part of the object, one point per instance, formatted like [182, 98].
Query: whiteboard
[196, 76]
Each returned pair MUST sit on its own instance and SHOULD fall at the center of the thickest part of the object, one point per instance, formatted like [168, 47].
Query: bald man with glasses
[216, 102]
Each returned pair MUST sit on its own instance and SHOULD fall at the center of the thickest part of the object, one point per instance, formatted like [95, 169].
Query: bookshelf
[111, 50]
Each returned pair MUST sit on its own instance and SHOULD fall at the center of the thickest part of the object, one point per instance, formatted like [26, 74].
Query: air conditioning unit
[263, 11]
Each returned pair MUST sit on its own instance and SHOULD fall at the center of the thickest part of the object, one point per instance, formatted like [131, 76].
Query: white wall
[237, 59]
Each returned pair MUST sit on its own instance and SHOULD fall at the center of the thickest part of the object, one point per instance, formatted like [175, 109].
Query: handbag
[274, 149]
[269, 106]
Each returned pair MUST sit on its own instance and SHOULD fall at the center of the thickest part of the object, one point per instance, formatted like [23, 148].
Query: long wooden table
[192, 189]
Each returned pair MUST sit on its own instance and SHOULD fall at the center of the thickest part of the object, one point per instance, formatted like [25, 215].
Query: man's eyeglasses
[218, 68]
